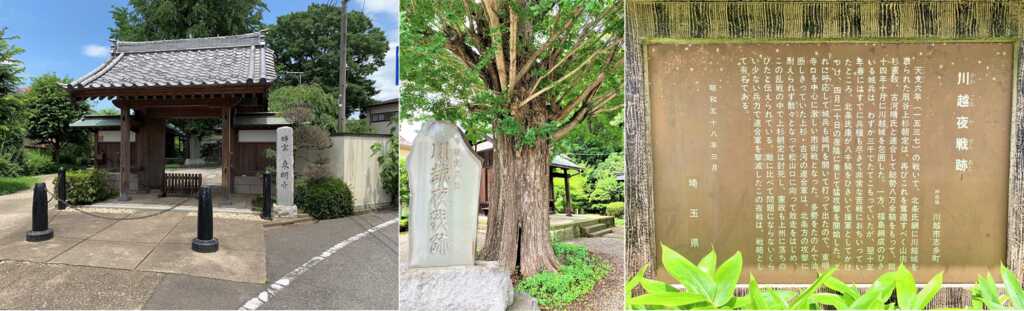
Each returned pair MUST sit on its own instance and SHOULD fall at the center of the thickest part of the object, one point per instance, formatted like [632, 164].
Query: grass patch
[579, 272]
[619, 222]
[15, 184]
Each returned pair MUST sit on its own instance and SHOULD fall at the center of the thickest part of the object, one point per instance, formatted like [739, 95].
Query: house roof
[98, 122]
[229, 60]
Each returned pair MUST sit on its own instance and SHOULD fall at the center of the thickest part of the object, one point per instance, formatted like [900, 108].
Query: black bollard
[62, 189]
[267, 195]
[205, 242]
[40, 224]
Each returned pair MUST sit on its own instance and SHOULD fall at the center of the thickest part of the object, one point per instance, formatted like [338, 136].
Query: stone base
[484, 286]
[285, 210]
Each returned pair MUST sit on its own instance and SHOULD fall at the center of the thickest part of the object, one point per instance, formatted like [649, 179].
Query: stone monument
[285, 155]
[444, 184]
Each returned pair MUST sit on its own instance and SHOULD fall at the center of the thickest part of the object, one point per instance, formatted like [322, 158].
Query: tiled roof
[230, 60]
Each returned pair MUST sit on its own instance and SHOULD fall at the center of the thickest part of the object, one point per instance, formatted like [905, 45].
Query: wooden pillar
[551, 190]
[568, 197]
[227, 152]
[126, 153]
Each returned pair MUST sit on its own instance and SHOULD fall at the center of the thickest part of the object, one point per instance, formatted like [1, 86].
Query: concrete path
[16, 211]
[361, 275]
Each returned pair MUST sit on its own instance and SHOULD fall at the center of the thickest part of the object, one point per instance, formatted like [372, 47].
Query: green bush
[576, 277]
[324, 198]
[38, 163]
[615, 209]
[9, 167]
[15, 184]
[87, 186]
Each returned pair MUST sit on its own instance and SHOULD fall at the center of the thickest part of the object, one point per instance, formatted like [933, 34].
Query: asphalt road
[361, 275]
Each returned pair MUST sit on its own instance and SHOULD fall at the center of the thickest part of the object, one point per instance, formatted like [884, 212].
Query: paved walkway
[160, 244]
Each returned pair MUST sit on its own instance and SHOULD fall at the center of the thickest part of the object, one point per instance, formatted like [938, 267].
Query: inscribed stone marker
[285, 172]
[444, 184]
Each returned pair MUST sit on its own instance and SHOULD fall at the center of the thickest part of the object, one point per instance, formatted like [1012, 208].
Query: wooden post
[551, 189]
[126, 153]
[227, 152]
[568, 197]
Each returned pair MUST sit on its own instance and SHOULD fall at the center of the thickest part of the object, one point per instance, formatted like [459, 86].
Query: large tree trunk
[55, 155]
[518, 224]
[640, 246]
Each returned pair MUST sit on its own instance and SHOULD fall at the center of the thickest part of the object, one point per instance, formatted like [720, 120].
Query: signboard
[805, 156]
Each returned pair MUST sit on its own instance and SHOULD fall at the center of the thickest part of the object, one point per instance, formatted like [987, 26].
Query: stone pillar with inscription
[285, 155]
[444, 185]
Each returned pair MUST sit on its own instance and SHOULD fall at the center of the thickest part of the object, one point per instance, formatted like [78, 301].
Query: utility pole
[343, 66]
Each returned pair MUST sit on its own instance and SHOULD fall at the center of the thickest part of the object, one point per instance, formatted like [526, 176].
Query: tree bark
[56, 151]
[640, 246]
[519, 232]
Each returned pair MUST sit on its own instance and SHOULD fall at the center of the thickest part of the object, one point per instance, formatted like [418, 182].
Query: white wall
[362, 173]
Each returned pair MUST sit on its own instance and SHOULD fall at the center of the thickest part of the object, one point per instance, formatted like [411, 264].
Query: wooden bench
[180, 183]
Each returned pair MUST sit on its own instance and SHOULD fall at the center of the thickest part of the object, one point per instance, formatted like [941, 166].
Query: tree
[309, 42]
[528, 72]
[108, 111]
[594, 140]
[12, 125]
[321, 104]
[51, 112]
[145, 20]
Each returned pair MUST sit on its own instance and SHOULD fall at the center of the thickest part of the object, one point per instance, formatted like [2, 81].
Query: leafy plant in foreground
[985, 294]
[707, 285]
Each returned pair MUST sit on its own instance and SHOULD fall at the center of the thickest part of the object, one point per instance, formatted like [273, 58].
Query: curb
[285, 222]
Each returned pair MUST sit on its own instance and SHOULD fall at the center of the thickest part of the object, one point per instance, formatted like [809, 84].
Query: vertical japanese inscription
[808, 156]
[442, 185]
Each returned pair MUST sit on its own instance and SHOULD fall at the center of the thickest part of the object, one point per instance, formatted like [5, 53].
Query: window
[383, 116]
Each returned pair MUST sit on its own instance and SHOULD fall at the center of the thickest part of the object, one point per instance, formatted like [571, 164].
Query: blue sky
[69, 38]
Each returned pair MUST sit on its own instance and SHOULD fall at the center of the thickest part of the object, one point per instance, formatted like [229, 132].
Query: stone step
[594, 227]
[599, 232]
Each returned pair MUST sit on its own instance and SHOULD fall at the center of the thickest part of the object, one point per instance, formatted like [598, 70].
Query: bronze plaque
[805, 156]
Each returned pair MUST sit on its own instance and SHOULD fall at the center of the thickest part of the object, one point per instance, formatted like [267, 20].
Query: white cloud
[95, 50]
[384, 78]
[381, 6]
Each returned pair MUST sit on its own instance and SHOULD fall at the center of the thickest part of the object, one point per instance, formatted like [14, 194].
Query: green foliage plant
[985, 293]
[707, 285]
[87, 186]
[387, 159]
[615, 209]
[578, 274]
[324, 197]
[51, 112]
[323, 107]
[37, 163]
[15, 184]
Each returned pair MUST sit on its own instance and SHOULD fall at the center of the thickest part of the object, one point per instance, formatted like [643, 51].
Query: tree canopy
[11, 111]
[51, 111]
[309, 42]
[145, 20]
[564, 64]
[323, 112]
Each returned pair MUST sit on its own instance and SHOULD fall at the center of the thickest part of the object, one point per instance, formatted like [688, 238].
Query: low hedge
[324, 198]
[15, 184]
[615, 209]
[87, 186]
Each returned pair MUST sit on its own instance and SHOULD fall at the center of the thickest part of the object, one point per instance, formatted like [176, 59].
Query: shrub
[324, 198]
[38, 163]
[9, 167]
[15, 184]
[615, 209]
[576, 277]
[87, 186]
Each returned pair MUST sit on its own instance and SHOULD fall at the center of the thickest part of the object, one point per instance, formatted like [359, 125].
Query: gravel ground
[607, 294]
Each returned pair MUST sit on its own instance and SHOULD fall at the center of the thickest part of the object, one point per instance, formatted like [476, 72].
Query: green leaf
[829, 299]
[655, 286]
[928, 292]
[802, 299]
[1012, 286]
[849, 293]
[726, 278]
[757, 301]
[667, 299]
[633, 282]
[687, 273]
[876, 296]
[906, 287]
[708, 263]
